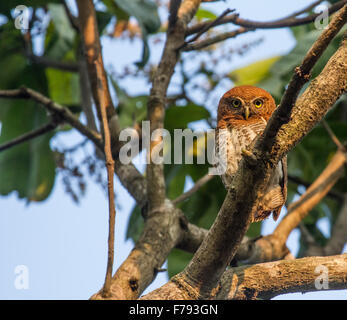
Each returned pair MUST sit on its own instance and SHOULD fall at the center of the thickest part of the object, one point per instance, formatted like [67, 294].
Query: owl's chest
[231, 141]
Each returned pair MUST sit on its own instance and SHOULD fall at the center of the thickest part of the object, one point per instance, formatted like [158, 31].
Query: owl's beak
[246, 114]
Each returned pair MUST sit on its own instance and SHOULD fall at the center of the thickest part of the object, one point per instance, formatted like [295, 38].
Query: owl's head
[245, 103]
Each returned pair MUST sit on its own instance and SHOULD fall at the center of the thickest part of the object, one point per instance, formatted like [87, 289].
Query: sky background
[64, 245]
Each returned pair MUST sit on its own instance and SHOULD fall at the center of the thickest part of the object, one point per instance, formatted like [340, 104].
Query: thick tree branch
[268, 280]
[201, 275]
[140, 268]
[156, 102]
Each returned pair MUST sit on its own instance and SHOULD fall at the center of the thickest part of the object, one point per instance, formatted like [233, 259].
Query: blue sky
[63, 245]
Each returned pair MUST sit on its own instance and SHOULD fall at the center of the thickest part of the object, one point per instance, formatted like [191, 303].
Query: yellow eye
[258, 103]
[236, 103]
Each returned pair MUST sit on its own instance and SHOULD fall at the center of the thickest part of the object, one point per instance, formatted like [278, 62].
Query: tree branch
[156, 102]
[50, 63]
[198, 184]
[152, 249]
[56, 109]
[220, 37]
[280, 23]
[306, 9]
[339, 232]
[333, 136]
[201, 275]
[30, 135]
[268, 280]
[106, 111]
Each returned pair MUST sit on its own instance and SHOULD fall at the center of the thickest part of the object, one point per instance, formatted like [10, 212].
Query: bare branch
[206, 28]
[339, 232]
[141, 266]
[50, 63]
[156, 102]
[30, 135]
[281, 23]
[332, 135]
[332, 193]
[220, 37]
[304, 10]
[106, 110]
[206, 178]
[55, 108]
[287, 276]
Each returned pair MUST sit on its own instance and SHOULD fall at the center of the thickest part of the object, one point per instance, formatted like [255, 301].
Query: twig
[30, 135]
[88, 24]
[332, 135]
[333, 194]
[206, 28]
[304, 10]
[206, 178]
[73, 20]
[220, 37]
[280, 23]
[50, 63]
[55, 108]
[339, 232]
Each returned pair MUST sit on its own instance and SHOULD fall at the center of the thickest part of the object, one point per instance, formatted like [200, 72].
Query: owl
[243, 113]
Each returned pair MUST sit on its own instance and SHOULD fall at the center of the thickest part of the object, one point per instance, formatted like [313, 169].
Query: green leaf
[63, 86]
[130, 109]
[175, 180]
[135, 225]
[205, 14]
[253, 73]
[177, 261]
[28, 168]
[178, 117]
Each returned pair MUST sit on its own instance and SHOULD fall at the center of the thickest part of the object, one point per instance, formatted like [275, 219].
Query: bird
[242, 115]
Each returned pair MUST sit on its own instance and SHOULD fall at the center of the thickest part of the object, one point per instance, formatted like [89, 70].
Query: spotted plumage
[243, 113]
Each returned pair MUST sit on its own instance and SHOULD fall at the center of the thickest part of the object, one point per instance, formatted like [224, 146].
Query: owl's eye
[236, 103]
[258, 103]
